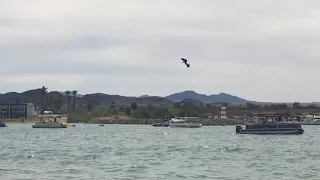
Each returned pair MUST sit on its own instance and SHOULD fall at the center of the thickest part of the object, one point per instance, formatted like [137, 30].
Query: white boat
[316, 119]
[179, 123]
[50, 123]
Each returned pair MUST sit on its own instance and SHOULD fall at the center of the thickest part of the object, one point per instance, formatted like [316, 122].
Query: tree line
[67, 104]
[48, 102]
[191, 110]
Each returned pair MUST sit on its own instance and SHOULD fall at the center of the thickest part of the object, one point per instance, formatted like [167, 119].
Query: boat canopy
[176, 120]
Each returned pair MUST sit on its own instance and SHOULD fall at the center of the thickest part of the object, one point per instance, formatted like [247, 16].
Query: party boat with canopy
[279, 124]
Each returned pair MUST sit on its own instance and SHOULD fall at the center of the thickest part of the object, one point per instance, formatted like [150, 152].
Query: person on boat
[279, 118]
[264, 121]
[298, 118]
[55, 119]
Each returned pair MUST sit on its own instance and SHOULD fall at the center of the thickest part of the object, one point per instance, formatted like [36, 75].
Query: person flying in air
[185, 61]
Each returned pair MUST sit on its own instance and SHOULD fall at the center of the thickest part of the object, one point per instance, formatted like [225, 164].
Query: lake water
[146, 152]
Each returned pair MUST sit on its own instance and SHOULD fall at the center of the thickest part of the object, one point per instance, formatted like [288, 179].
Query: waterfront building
[24, 110]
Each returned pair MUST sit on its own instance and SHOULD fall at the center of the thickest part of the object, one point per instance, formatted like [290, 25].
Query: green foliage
[134, 106]
[128, 111]
[276, 106]
[114, 112]
[100, 113]
[90, 106]
[175, 111]
[160, 112]
[122, 109]
[311, 106]
[56, 104]
[287, 112]
[93, 109]
[141, 112]
[296, 105]
[79, 115]
[150, 107]
[177, 105]
[112, 105]
[252, 106]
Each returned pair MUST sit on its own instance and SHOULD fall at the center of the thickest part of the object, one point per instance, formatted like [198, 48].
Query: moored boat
[271, 127]
[164, 123]
[50, 123]
[316, 119]
[179, 123]
[2, 124]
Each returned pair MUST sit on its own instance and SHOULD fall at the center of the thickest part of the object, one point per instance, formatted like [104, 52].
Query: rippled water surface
[146, 152]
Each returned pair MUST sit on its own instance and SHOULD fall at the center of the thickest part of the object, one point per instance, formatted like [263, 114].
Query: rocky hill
[106, 99]
[34, 96]
[222, 97]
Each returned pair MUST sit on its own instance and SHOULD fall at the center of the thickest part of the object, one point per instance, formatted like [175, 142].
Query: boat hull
[272, 131]
[265, 131]
[3, 125]
[160, 125]
[50, 125]
[193, 125]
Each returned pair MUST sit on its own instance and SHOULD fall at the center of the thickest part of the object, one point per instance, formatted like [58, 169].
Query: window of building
[21, 110]
[3, 110]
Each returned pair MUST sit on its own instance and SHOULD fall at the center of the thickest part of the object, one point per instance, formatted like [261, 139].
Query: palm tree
[74, 92]
[112, 105]
[50, 102]
[60, 101]
[68, 98]
[43, 94]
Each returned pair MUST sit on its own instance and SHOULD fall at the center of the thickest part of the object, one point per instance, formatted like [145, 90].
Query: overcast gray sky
[263, 50]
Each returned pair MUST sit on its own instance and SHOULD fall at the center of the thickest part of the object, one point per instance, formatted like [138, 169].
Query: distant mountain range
[222, 97]
[34, 96]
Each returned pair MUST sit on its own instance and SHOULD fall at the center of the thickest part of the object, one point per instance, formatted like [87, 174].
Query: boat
[270, 126]
[316, 119]
[2, 124]
[101, 124]
[179, 123]
[49, 123]
[165, 122]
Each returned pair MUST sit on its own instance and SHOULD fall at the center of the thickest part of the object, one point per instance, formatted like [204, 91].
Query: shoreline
[29, 120]
[19, 121]
[204, 122]
[129, 120]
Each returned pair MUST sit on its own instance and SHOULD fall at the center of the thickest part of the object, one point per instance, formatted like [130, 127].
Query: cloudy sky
[263, 50]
